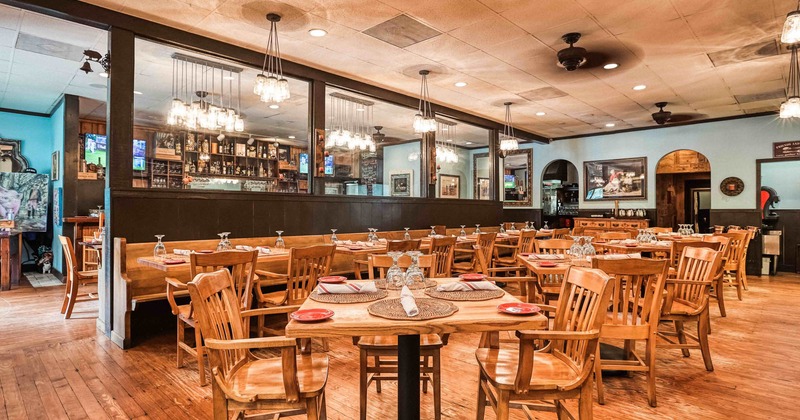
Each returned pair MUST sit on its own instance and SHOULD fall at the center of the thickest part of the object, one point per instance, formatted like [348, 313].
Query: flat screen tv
[329, 165]
[95, 149]
[509, 181]
[303, 163]
[139, 161]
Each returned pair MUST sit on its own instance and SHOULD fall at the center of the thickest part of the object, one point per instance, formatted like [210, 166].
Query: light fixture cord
[794, 73]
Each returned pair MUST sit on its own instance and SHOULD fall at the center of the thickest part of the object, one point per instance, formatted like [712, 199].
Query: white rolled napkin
[629, 242]
[263, 249]
[465, 286]
[323, 288]
[548, 256]
[408, 302]
[244, 247]
[177, 251]
[347, 242]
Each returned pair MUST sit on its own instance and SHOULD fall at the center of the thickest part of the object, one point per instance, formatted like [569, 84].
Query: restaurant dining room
[399, 209]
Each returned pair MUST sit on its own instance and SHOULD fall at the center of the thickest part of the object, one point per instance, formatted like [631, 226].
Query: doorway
[683, 190]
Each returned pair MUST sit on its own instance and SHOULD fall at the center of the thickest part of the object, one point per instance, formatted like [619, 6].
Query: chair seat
[263, 378]
[462, 266]
[679, 308]
[183, 314]
[88, 275]
[500, 367]
[552, 289]
[387, 341]
[274, 298]
[505, 261]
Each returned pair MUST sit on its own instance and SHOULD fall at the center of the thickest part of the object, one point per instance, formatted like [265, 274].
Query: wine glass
[588, 248]
[477, 229]
[279, 243]
[225, 241]
[433, 231]
[395, 275]
[407, 235]
[463, 232]
[221, 244]
[502, 228]
[334, 238]
[527, 225]
[414, 274]
[545, 227]
[576, 250]
[159, 251]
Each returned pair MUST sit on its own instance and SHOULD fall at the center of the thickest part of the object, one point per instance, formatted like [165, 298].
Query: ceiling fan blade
[679, 118]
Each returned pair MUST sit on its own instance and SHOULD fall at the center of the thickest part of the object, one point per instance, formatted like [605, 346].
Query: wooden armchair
[560, 233]
[242, 265]
[485, 245]
[636, 299]
[608, 236]
[736, 261]
[443, 249]
[306, 265]
[563, 368]
[290, 384]
[719, 278]
[524, 244]
[397, 245]
[687, 301]
[549, 285]
[74, 279]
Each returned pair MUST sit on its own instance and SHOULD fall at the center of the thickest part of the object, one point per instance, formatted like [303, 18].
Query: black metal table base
[408, 377]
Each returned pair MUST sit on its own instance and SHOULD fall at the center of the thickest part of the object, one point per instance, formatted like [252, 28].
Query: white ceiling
[505, 50]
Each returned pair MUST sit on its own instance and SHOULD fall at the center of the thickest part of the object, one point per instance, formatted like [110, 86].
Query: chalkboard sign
[786, 149]
[369, 170]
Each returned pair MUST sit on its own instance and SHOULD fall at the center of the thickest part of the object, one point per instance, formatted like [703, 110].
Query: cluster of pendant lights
[350, 123]
[445, 136]
[270, 85]
[205, 95]
[791, 35]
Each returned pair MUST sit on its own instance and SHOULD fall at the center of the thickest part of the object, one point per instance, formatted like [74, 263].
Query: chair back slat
[443, 249]
[698, 266]
[637, 286]
[553, 246]
[526, 241]
[69, 254]
[560, 233]
[240, 264]
[306, 265]
[403, 246]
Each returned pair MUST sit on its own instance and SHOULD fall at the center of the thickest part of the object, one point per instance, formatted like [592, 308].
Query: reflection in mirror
[781, 176]
[517, 178]
[457, 143]
[559, 193]
[481, 173]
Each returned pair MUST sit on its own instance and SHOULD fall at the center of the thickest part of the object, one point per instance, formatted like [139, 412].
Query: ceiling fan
[662, 117]
[572, 57]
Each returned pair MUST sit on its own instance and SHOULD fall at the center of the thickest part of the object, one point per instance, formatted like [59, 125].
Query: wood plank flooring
[62, 369]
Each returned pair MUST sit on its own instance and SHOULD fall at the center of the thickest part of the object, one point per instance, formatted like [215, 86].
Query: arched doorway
[559, 193]
[683, 190]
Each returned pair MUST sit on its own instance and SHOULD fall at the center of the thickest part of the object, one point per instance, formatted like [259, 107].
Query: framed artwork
[449, 186]
[54, 166]
[401, 184]
[57, 206]
[24, 198]
[618, 179]
[483, 189]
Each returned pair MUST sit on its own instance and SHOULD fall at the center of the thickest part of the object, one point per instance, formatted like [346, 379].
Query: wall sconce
[103, 60]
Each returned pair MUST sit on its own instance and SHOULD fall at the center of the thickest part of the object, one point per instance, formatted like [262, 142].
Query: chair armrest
[271, 275]
[174, 284]
[250, 343]
[557, 335]
[275, 310]
[682, 281]
[505, 246]
[464, 250]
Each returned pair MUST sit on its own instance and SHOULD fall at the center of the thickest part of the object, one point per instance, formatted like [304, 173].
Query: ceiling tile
[402, 31]
[353, 14]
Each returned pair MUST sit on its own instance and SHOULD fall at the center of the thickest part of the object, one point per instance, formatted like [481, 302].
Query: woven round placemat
[428, 309]
[382, 284]
[470, 295]
[347, 297]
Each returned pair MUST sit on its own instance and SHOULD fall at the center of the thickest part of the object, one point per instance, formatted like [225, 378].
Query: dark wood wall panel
[789, 223]
[523, 215]
[186, 216]
[742, 217]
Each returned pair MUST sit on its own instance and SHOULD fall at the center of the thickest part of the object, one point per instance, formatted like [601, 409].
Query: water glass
[334, 238]
[160, 251]
[279, 243]
[527, 225]
[221, 244]
[414, 274]
[502, 228]
[395, 275]
[433, 231]
[545, 225]
[477, 229]
[407, 235]
[576, 249]
[225, 241]
[588, 248]
[463, 233]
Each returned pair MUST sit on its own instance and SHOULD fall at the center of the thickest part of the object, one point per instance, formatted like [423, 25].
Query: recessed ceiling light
[610, 124]
[274, 106]
[611, 66]
[136, 92]
[317, 32]
[640, 87]
[541, 114]
[469, 142]
[460, 84]
[292, 137]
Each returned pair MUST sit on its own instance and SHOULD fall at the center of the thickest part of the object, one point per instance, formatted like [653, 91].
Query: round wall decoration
[732, 186]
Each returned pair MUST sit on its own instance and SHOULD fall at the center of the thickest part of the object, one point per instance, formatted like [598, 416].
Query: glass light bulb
[372, 147]
[238, 126]
[171, 120]
[418, 125]
[791, 28]
[258, 87]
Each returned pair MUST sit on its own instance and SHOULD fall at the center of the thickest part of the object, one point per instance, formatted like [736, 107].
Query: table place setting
[543, 257]
[466, 291]
[408, 308]
[347, 292]
[261, 249]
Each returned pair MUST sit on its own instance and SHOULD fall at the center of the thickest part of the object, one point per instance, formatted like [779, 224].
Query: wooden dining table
[354, 320]
[159, 264]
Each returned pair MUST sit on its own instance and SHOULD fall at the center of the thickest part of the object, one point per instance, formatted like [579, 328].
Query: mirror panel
[517, 178]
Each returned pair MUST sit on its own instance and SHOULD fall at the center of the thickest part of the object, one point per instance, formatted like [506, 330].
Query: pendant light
[508, 141]
[791, 108]
[424, 121]
[791, 27]
[272, 87]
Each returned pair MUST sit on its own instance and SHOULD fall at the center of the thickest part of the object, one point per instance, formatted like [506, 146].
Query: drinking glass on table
[395, 275]
[221, 244]
[477, 229]
[576, 249]
[159, 251]
[334, 238]
[407, 235]
[279, 243]
[226, 242]
[588, 248]
[463, 232]
[414, 274]
[545, 227]
[433, 231]
[502, 228]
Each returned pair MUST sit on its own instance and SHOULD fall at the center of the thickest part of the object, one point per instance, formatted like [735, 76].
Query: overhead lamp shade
[791, 28]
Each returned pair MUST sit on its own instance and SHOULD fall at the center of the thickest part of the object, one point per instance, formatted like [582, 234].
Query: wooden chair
[608, 236]
[736, 261]
[635, 307]
[396, 245]
[306, 265]
[443, 248]
[241, 382]
[549, 285]
[754, 231]
[560, 233]
[440, 229]
[484, 248]
[563, 368]
[242, 265]
[524, 244]
[719, 277]
[91, 256]
[382, 262]
[687, 301]
[658, 230]
[74, 279]
[679, 246]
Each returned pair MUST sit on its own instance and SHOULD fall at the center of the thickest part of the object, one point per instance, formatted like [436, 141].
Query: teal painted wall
[57, 143]
[36, 134]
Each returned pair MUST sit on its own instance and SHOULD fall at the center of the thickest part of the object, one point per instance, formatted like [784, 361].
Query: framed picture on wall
[449, 186]
[401, 184]
[483, 189]
[57, 206]
[54, 166]
[618, 179]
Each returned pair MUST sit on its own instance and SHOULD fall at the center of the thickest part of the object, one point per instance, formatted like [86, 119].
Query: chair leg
[311, 409]
[681, 336]
[181, 331]
[198, 348]
[739, 284]
[425, 363]
[260, 326]
[323, 407]
[377, 361]
[362, 384]
[502, 405]
[73, 295]
[585, 402]
[561, 411]
[220, 402]
[325, 345]
[437, 386]
[480, 413]
[650, 359]
[67, 286]
[702, 335]
[598, 376]
[720, 286]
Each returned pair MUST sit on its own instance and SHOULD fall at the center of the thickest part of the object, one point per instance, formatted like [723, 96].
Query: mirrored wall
[456, 145]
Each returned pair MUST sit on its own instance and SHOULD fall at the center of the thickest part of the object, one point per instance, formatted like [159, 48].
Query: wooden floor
[52, 368]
